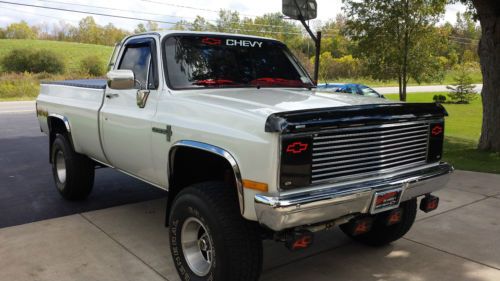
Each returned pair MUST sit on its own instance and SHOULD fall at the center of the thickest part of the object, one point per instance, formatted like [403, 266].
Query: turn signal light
[255, 185]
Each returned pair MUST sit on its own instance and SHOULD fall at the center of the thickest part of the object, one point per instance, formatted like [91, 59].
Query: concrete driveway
[460, 241]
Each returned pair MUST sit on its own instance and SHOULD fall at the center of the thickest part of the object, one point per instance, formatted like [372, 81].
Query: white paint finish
[232, 119]
[79, 106]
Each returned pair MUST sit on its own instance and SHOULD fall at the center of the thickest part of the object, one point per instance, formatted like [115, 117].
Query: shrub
[18, 86]
[93, 66]
[439, 98]
[33, 61]
[463, 91]
[334, 68]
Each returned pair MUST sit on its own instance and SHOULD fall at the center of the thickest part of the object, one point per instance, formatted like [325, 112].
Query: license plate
[386, 200]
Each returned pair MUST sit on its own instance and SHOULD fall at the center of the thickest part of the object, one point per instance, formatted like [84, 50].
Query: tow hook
[299, 240]
[429, 203]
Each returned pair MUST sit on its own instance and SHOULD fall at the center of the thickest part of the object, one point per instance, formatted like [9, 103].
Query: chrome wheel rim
[60, 167]
[197, 246]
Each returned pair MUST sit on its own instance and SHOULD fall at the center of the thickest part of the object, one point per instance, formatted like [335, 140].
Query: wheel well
[190, 165]
[56, 126]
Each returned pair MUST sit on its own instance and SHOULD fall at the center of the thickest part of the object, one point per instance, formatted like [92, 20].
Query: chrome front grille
[366, 150]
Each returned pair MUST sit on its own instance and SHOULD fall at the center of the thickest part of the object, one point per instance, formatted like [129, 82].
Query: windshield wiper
[214, 82]
[271, 81]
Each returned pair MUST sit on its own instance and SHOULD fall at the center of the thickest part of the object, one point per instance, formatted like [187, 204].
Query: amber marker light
[255, 185]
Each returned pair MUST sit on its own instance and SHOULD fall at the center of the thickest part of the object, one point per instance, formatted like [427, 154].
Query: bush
[334, 68]
[439, 98]
[93, 66]
[33, 61]
[18, 86]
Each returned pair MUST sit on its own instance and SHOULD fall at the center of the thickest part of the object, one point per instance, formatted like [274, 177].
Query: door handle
[112, 96]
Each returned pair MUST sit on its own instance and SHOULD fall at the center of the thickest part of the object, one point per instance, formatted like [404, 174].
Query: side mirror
[122, 79]
[300, 9]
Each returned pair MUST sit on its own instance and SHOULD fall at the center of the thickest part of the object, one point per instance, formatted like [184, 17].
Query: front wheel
[382, 234]
[209, 240]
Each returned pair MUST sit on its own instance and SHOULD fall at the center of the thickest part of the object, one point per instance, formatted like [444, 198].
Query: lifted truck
[233, 128]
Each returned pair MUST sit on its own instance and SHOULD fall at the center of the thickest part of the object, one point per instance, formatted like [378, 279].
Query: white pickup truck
[233, 128]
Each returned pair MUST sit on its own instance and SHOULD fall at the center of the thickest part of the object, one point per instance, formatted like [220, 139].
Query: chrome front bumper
[330, 202]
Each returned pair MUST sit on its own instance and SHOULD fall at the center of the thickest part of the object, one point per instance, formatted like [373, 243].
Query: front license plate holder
[386, 200]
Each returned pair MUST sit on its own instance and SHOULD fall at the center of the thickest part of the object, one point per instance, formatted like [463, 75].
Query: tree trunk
[489, 53]
[400, 81]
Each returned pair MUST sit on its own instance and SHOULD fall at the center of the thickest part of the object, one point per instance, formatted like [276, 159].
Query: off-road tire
[236, 242]
[381, 234]
[78, 179]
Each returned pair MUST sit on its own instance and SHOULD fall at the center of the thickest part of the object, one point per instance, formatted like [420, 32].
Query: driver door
[126, 125]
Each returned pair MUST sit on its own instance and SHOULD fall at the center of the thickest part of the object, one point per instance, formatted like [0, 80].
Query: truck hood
[266, 101]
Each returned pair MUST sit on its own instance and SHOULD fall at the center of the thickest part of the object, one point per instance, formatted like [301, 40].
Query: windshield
[369, 91]
[195, 61]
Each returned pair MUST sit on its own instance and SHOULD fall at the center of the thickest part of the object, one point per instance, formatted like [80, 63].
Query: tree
[488, 13]
[89, 31]
[397, 38]
[464, 90]
[20, 30]
[141, 28]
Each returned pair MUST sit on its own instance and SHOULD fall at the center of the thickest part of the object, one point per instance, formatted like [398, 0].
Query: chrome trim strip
[362, 144]
[423, 126]
[368, 168]
[380, 161]
[368, 148]
[389, 125]
[381, 135]
[378, 155]
[63, 118]
[221, 152]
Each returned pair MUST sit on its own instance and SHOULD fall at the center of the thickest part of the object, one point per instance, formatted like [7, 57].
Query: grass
[72, 53]
[463, 129]
[25, 86]
[449, 79]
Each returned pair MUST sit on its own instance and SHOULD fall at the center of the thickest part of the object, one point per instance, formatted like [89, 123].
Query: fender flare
[214, 150]
[60, 117]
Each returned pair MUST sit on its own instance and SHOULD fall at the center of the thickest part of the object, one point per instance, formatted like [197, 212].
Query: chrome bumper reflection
[326, 203]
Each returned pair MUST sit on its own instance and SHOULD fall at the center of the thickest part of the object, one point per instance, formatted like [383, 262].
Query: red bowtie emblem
[297, 147]
[437, 130]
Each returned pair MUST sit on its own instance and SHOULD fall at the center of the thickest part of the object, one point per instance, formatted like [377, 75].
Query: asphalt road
[420, 89]
[27, 190]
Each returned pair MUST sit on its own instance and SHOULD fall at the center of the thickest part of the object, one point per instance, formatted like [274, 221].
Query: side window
[138, 59]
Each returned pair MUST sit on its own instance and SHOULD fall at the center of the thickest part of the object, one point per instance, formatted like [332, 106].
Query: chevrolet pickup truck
[233, 127]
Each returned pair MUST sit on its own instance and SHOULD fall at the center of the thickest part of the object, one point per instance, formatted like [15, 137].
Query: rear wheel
[73, 173]
[382, 234]
[209, 239]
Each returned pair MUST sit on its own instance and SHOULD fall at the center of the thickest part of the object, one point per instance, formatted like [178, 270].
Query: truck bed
[84, 83]
[79, 101]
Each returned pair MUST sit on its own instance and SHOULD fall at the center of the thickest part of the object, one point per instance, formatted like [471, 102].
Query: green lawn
[25, 86]
[449, 79]
[463, 129]
[71, 52]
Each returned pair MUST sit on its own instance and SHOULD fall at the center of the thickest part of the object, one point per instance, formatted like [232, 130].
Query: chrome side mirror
[122, 79]
[142, 98]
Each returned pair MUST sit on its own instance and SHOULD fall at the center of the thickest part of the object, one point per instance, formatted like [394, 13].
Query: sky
[165, 10]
